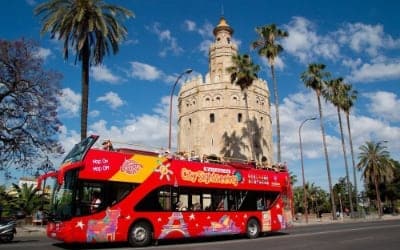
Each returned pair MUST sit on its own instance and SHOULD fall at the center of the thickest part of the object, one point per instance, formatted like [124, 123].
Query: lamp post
[188, 71]
[302, 168]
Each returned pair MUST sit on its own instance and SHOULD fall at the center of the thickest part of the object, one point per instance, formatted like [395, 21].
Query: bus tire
[252, 229]
[140, 234]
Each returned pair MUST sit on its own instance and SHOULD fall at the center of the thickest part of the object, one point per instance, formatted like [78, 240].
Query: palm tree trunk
[326, 157]
[352, 158]
[85, 89]
[345, 163]
[378, 196]
[278, 127]
[249, 127]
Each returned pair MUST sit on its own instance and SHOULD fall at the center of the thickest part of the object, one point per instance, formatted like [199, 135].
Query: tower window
[212, 118]
[239, 117]
[190, 121]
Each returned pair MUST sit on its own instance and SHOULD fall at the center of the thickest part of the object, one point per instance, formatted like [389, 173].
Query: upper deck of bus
[136, 165]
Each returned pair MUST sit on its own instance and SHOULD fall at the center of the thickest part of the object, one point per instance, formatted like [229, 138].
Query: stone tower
[212, 112]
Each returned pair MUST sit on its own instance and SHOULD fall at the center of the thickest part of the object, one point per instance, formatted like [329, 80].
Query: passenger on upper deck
[107, 145]
[264, 163]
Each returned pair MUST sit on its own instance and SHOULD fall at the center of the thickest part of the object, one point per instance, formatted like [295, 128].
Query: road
[354, 236]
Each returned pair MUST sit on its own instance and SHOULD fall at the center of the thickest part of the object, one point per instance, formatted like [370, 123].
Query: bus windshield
[62, 198]
[79, 150]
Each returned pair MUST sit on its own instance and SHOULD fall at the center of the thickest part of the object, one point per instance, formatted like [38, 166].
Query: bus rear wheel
[140, 234]
[253, 229]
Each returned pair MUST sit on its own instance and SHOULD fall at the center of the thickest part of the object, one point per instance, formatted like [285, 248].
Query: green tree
[392, 189]
[28, 106]
[91, 28]
[376, 167]
[270, 49]
[315, 78]
[243, 71]
[27, 198]
[335, 93]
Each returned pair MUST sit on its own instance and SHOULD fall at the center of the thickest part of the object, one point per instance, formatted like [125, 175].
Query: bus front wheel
[140, 234]
[253, 229]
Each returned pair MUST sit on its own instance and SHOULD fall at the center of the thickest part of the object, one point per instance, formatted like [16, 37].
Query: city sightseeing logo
[212, 175]
[130, 167]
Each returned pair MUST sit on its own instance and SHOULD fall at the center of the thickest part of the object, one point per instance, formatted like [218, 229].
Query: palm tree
[267, 47]
[27, 198]
[315, 78]
[91, 28]
[349, 97]
[243, 71]
[336, 94]
[377, 167]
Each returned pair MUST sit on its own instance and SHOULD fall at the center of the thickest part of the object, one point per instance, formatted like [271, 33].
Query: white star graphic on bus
[159, 219]
[192, 217]
[80, 224]
[164, 171]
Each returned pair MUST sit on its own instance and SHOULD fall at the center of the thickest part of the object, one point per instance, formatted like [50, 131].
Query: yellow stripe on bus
[146, 166]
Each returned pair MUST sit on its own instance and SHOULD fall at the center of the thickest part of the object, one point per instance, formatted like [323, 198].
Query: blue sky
[129, 93]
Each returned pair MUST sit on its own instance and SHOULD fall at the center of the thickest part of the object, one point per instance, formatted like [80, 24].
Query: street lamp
[188, 71]
[302, 168]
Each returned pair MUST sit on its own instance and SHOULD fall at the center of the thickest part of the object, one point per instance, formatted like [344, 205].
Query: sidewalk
[30, 230]
[326, 219]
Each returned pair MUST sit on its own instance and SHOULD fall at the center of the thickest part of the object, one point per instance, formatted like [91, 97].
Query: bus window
[196, 202]
[150, 202]
[206, 201]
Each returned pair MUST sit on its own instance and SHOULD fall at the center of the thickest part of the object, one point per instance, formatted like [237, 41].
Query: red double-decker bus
[140, 197]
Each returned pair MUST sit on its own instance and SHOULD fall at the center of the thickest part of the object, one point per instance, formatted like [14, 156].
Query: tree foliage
[27, 198]
[376, 166]
[28, 105]
[91, 27]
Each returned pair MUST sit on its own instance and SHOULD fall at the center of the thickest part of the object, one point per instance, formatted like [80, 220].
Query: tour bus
[143, 197]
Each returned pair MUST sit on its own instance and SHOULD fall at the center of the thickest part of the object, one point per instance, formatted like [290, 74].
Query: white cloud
[373, 72]
[42, 53]
[204, 46]
[112, 99]
[352, 63]
[165, 36]
[94, 113]
[382, 104]
[102, 74]
[69, 103]
[302, 105]
[369, 38]
[144, 71]
[304, 43]
[190, 25]
[279, 64]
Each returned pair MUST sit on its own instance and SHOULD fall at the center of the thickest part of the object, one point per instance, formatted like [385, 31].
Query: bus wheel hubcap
[139, 234]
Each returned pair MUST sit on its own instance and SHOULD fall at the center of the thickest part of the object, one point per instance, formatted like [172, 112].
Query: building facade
[212, 111]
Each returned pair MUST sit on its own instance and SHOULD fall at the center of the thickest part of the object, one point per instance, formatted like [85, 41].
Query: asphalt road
[336, 236]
